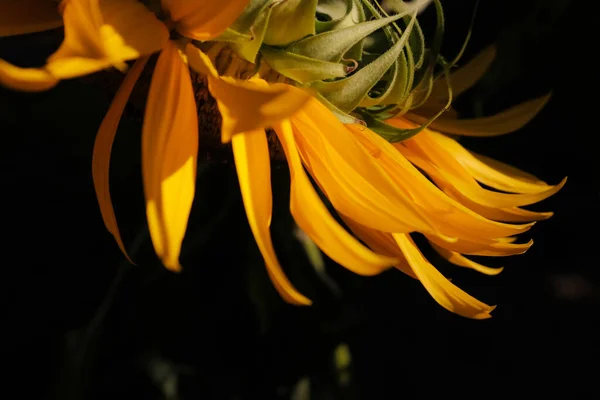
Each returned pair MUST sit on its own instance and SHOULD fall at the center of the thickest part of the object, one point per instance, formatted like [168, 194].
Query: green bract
[363, 63]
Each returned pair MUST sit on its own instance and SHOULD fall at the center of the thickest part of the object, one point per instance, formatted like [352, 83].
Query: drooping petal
[169, 154]
[203, 19]
[502, 123]
[312, 217]
[354, 183]
[381, 242]
[471, 190]
[501, 247]
[448, 216]
[462, 261]
[26, 79]
[104, 33]
[445, 293]
[253, 165]
[98, 34]
[253, 104]
[103, 147]
[18, 17]
[487, 171]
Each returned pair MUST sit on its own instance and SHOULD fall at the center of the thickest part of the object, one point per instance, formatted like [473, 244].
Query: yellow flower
[378, 188]
[104, 33]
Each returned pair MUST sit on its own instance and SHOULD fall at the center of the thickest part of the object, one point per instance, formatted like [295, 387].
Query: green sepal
[299, 68]
[252, 22]
[332, 45]
[346, 94]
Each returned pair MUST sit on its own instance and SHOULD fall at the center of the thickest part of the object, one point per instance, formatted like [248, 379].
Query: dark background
[79, 323]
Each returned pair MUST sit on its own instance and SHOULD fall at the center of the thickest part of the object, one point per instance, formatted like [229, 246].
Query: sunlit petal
[445, 293]
[26, 79]
[103, 147]
[104, 33]
[169, 154]
[462, 261]
[312, 217]
[252, 162]
[253, 104]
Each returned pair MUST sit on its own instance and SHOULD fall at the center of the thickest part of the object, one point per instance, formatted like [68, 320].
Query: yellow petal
[487, 171]
[312, 217]
[203, 20]
[253, 165]
[26, 79]
[511, 214]
[449, 217]
[253, 104]
[200, 62]
[104, 33]
[381, 242]
[462, 261]
[478, 194]
[445, 293]
[18, 17]
[103, 147]
[500, 247]
[169, 154]
[354, 183]
[504, 122]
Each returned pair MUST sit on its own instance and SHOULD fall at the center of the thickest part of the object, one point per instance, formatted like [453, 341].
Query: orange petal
[381, 242]
[169, 154]
[354, 182]
[500, 247]
[462, 261]
[449, 217]
[18, 17]
[502, 123]
[253, 104]
[26, 79]
[253, 165]
[104, 33]
[103, 147]
[312, 217]
[203, 20]
[445, 293]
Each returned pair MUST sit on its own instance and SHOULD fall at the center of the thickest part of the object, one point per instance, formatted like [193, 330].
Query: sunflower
[353, 97]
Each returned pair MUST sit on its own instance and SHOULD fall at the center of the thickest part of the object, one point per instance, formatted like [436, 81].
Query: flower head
[353, 96]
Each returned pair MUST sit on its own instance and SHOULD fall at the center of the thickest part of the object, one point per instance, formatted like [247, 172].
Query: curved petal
[487, 171]
[381, 242]
[203, 20]
[501, 247]
[98, 34]
[448, 216]
[253, 104]
[103, 147]
[462, 261]
[18, 17]
[353, 181]
[445, 293]
[312, 217]
[502, 123]
[169, 154]
[253, 165]
[104, 33]
[26, 79]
